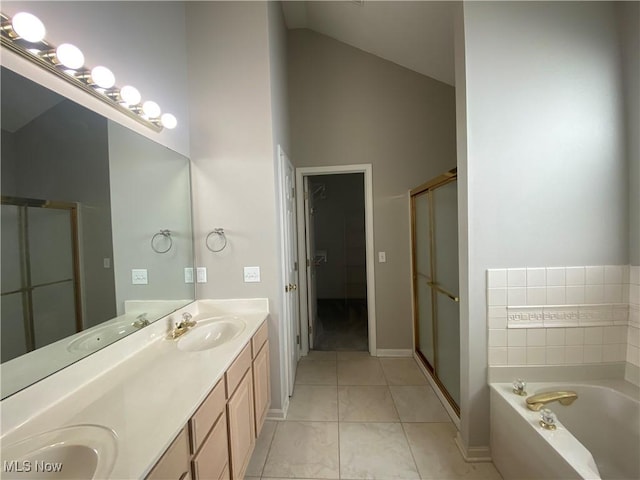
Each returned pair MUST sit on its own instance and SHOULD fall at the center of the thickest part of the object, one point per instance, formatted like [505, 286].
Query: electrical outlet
[188, 275]
[201, 274]
[139, 276]
[251, 274]
[382, 257]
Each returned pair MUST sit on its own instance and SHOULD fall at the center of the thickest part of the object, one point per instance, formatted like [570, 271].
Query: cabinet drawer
[174, 464]
[237, 370]
[213, 458]
[259, 338]
[206, 416]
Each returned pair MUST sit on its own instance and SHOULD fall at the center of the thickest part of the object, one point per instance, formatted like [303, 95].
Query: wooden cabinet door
[261, 386]
[174, 464]
[240, 416]
[211, 460]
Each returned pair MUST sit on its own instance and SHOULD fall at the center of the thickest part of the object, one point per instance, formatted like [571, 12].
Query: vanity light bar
[24, 35]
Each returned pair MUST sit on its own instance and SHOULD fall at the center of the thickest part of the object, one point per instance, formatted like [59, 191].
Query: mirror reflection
[96, 232]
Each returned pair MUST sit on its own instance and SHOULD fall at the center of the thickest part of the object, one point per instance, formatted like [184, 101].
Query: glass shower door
[40, 274]
[435, 262]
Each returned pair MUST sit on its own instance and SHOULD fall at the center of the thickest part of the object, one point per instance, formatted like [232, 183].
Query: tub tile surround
[142, 387]
[580, 315]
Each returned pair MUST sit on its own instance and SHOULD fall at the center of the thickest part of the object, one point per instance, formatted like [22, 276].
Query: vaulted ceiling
[415, 34]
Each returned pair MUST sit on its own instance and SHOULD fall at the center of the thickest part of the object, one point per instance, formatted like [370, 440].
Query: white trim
[370, 254]
[401, 352]
[279, 413]
[473, 454]
[443, 400]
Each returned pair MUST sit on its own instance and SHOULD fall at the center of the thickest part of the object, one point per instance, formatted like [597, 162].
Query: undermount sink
[211, 333]
[96, 338]
[78, 452]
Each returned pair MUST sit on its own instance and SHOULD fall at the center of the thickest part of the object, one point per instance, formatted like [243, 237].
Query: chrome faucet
[183, 327]
[141, 321]
[536, 402]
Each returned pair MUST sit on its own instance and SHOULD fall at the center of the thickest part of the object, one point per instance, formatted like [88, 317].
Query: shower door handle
[443, 291]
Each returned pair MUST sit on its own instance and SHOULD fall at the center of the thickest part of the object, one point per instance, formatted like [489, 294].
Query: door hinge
[308, 262]
[295, 266]
[298, 339]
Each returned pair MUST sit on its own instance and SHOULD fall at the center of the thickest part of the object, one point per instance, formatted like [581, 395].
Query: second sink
[211, 333]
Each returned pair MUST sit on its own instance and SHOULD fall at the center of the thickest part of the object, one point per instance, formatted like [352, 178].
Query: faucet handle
[547, 419]
[186, 316]
[519, 387]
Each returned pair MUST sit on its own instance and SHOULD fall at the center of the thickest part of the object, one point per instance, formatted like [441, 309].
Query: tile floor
[353, 416]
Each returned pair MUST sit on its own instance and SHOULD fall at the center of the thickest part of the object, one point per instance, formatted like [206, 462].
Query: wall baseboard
[279, 413]
[473, 454]
[384, 352]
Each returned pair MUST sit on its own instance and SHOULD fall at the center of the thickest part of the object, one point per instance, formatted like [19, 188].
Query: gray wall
[350, 107]
[234, 97]
[150, 191]
[629, 16]
[339, 231]
[545, 168]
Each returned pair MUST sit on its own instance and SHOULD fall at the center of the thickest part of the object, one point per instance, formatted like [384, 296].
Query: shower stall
[434, 231]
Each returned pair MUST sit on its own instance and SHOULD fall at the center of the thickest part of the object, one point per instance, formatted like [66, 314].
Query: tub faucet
[536, 402]
[182, 327]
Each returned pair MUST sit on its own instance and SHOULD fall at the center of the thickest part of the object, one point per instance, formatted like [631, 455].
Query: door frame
[302, 172]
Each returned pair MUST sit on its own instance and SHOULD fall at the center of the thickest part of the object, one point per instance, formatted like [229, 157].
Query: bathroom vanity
[185, 408]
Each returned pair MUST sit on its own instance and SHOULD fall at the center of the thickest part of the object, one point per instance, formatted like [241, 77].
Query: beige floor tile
[438, 457]
[320, 355]
[366, 403]
[304, 450]
[316, 373]
[375, 450]
[402, 371]
[342, 356]
[263, 443]
[361, 371]
[314, 403]
[418, 403]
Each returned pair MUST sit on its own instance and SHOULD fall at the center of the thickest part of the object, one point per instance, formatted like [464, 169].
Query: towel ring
[164, 234]
[220, 233]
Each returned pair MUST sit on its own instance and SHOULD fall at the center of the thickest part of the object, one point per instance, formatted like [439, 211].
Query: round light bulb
[103, 77]
[151, 109]
[28, 27]
[130, 95]
[70, 56]
[168, 121]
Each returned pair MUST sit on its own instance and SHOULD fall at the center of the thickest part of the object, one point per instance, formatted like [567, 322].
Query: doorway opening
[338, 261]
[336, 246]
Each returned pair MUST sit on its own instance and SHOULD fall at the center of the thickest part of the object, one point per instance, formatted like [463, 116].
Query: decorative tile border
[554, 316]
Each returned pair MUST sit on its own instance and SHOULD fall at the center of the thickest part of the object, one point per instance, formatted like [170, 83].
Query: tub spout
[536, 402]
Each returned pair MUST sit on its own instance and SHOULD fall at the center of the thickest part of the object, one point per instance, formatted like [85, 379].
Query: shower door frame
[26, 285]
[428, 187]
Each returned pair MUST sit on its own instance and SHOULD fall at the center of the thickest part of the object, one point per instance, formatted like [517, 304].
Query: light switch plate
[139, 276]
[251, 274]
[201, 274]
[382, 257]
[188, 275]
[106, 262]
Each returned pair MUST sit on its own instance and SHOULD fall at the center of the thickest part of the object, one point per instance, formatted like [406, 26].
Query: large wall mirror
[96, 232]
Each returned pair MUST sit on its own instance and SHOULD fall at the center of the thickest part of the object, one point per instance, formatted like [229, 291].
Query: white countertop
[147, 398]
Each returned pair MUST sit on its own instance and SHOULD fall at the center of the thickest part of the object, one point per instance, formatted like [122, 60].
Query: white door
[290, 267]
[312, 303]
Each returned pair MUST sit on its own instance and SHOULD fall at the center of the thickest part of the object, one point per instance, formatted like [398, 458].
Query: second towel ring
[220, 233]
[165, 234]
